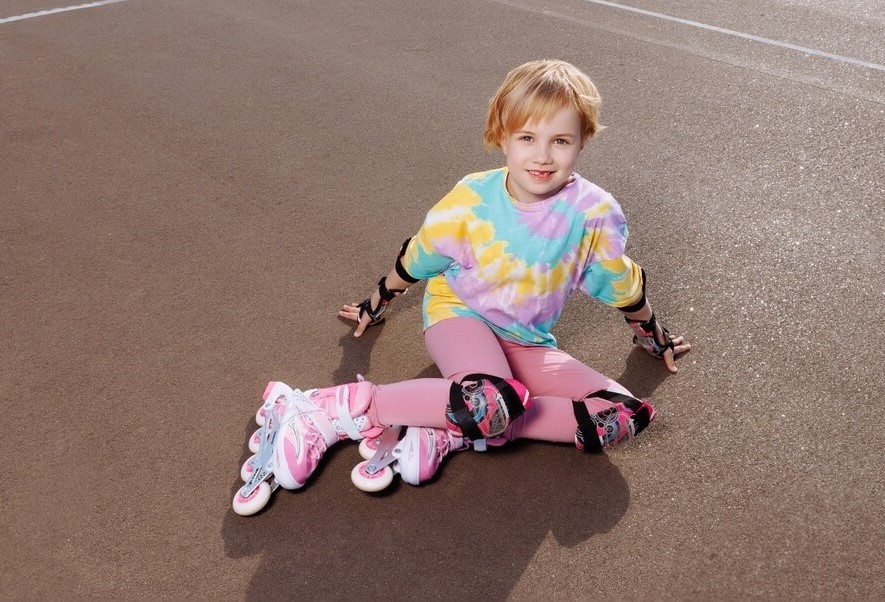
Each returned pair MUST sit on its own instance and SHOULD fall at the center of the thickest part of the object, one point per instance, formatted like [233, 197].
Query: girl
[502, 252]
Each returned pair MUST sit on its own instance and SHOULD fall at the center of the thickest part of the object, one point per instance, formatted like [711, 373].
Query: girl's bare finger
[671, 363]
[681, 349]
[361, 328]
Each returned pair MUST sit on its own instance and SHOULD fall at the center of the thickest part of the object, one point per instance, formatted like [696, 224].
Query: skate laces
[441, 445]
[315, 445]
[446, 443]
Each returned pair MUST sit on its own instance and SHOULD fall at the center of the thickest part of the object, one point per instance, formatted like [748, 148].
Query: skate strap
[342, 407]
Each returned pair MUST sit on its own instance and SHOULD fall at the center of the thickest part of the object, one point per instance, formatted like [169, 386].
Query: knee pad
[483, 406]
[617, 424]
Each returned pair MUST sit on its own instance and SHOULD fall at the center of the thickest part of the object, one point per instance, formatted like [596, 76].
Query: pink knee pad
[613, 426]
[483, 406]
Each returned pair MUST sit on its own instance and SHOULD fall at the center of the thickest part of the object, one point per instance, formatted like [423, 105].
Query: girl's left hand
[680, 347]
[351, 311]
[656, 340]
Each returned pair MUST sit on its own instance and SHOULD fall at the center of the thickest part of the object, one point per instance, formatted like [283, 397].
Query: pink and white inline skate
[258, 469]
[415, 454]
[296, 429]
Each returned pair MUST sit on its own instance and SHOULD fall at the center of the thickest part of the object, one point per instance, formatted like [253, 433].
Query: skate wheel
[259, 417]
[368, 447]
[245, 506]
[371, 482]
[255, 442]
[247, 469]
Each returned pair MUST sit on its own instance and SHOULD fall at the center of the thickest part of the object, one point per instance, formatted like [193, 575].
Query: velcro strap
[614, 397]
[342, 407]
[388, 295]
[375, 315]
[646, 336]
[586, 429]
[463, 417]
[641, 418]
[400, 269]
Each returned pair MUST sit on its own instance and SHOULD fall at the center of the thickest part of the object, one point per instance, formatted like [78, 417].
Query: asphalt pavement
[189, 191]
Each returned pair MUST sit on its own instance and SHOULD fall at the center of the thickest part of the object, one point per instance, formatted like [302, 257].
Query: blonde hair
[537, 91]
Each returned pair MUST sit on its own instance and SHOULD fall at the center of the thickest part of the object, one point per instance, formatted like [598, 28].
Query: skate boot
[416, 457]
[314, 421]
[258, 469]
[614, 426]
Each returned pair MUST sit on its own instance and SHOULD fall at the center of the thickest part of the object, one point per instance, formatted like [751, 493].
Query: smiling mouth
[540, 175]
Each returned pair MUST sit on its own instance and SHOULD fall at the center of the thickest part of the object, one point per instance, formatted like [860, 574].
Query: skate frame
[384, 453]
[262, 463]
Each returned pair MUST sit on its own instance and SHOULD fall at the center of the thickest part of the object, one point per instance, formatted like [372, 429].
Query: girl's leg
[459, 347]
[314, 421]
[550, 371]
[417, 402]
[556, 382]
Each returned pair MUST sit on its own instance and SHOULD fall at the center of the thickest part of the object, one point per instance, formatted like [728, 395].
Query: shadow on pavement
[643, 373]
[480, 522]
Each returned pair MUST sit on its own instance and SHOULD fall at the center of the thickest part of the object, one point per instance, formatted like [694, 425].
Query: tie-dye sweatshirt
[513, 264]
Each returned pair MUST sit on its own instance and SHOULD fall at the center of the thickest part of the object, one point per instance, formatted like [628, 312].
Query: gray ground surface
[190, 190]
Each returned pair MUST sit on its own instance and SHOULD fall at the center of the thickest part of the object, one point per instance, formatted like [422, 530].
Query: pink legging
[462, 346]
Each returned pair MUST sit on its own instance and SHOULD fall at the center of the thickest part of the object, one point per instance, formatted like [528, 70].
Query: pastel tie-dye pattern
[514, 265]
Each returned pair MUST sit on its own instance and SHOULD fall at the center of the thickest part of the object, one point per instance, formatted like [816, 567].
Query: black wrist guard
[646, 337]
[387, 295]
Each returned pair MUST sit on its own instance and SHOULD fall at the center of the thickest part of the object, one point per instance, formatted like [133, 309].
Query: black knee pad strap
[462, 416]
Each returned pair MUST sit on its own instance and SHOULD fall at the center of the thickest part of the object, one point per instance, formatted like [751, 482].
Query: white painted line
[746, 36]
[52, 11]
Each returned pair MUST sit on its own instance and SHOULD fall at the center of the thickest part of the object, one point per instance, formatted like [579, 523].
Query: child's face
[541, 156]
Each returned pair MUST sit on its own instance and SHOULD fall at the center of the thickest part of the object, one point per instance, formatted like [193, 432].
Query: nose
[542, 154]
